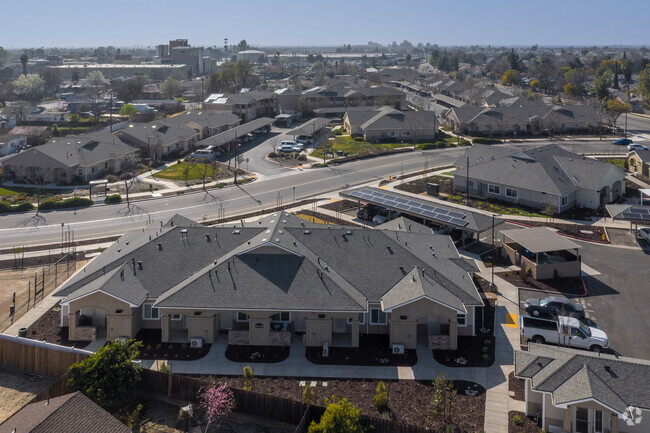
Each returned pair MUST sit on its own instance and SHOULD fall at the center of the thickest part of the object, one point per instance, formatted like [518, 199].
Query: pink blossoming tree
[217, 401]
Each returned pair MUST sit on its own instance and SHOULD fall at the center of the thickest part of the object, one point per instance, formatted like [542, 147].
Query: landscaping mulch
[48, 328]
[476, 351]
[341, 205]
[499, 260]
[153, 348]
[419, 186]
[257, 354]
[517, 386]
[287, 161]
[567, 286]
[373, 350]
[579, 231]
[409, 401]
[329, 219]
[529, 425]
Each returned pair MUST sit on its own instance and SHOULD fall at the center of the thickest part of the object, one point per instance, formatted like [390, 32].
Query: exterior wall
[118, 324]
[553, 415]
[205, 325]
[545, 270]
[636, 165]
[404, 320]
[318, 332]
[19, 163]
[376, 134]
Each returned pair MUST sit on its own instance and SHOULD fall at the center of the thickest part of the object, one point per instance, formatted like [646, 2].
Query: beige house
[273, 281]
[388, 124]
[638, 162]
[67, 160]
[573, 391]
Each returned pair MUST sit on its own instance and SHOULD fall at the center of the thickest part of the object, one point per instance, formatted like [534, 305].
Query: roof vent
[207, 238]
[306, 232]
[236, 232]
[413, 276]
[139, 264]
[159, 246]
[390, 250]
[348, 232]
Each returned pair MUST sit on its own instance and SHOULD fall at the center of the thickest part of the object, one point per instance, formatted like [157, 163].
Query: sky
[89, 23]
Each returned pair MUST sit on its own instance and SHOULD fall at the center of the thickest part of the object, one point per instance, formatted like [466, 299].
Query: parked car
[553, 306]
[299, 147]
[622, 141]
[577, 334]
[645, 233]
[262, 130]
[636, 147]
[305, 139]
[368, 212]
[286, 148]
[203, 153]
[385, 215]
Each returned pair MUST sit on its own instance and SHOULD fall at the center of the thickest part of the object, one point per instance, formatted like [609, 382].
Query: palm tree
[23, 60]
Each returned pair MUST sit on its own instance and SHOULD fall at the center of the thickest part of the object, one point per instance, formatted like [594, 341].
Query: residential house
[35, 134]
[576, 391]
[70, 413]
[206, 122]
[161, 138]
[320, 97]
[67, 160]
[287, 101]
[386, 123]
[248, 105]
[539, 177]
[12, 144]
[638, 162]
[266, 281]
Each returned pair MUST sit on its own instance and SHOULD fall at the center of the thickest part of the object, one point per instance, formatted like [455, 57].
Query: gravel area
[565, 286]
[48, 328]
[517, 386]
[529, 426]
[17, 389]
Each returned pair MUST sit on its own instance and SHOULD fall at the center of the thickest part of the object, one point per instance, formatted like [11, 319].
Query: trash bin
[433, 189]
[22, 332]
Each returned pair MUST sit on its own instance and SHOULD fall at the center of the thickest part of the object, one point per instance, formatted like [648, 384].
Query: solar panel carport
[441, 214]
[235, 133]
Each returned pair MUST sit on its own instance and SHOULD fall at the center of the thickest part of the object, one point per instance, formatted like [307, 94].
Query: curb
[562, 234]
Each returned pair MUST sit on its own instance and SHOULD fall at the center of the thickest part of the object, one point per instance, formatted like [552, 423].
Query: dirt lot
[162, 418]
[12, 280]
[16, 389]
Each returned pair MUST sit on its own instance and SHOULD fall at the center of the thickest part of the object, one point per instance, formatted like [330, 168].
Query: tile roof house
[638, 162]
[388, 124]
[538, 177]
[70, 413]
[577, 391]
[70, 159]
[261, 282]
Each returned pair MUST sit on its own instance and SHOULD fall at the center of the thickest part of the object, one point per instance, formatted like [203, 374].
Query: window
[378, 317]
[105, 165]
[406, 133]
[80, 172]
[94, 169]
[471, 183]
[394, 133]
[384, 134]
[565, 200]
[494, 189]
[242, 317]
[362, 319]
[175, 317]
[512, 193]
[598, 421]
[281, 317]
[461, 318]
[150, 313]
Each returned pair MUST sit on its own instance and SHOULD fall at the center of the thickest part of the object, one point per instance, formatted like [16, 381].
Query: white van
[204, 153]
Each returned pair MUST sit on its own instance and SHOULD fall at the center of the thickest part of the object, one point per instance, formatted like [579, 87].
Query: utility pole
[467, 181]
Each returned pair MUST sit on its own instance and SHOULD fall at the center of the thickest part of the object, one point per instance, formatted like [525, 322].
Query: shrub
[518, 420]
[319, 165]
[308, 395]
[381, 397]
[113, 198]
[247, 378]
[135, 418]
[340, 416]
[483, 140]
[67, 203]
[358, 138]
[164, 368]
[273, 155]
[337, 132]
[111, 178]
[486, 357]
[427, 146]
[21, 207]
[302, 158]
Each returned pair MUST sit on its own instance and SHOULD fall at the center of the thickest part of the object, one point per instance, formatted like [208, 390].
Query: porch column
[354, 330]
[72, 326]
[544, 412]
[164, 327]
[614, 422]
[526, 386]
[566, 424]
[453, 334]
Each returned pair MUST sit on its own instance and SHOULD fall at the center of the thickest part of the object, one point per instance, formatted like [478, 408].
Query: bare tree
[129, 172]
[35, 178]
[416, 126]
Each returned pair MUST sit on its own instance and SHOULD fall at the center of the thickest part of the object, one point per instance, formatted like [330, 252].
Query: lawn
[619, 162]
[194, 171]
[345, 143]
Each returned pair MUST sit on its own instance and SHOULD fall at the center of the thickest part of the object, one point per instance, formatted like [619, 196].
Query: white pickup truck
[566, 331]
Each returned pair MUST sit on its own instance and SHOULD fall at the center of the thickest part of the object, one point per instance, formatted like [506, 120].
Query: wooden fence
[38, 357]
[185, 389]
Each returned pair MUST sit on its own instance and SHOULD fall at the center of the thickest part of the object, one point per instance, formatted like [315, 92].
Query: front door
[582, 420]
[340, 325]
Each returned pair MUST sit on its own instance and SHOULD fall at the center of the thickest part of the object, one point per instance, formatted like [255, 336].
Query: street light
[492, 286]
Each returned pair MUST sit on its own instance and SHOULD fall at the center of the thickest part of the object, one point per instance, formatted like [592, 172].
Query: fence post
[56, 272]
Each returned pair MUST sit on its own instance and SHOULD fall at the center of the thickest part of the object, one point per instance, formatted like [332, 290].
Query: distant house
[70, 413]
[206, 122]
[159, 139]
[386, 123]
[638, 162]
[66, 160]
[577, 391]
[329, 96]
[12, 144]
[263, 282]
[247, 105]
[539, 177]
[35, 134]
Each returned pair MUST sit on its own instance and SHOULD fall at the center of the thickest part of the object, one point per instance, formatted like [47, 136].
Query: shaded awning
[540, 240]
[310, 127]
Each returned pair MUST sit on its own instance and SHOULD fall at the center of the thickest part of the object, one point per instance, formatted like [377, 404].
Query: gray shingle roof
[70, 413]
[417, 285]
[572, 375]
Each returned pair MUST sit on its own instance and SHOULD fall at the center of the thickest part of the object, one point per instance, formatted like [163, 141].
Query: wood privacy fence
[42, 284]
[185, 389]
[38, 357]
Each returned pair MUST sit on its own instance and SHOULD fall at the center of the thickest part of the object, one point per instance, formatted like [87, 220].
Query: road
[96, 221]
[635, 124]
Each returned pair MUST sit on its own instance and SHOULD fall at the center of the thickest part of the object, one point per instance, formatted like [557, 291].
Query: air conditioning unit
[398, 349]
[326, 350]
[196, 343]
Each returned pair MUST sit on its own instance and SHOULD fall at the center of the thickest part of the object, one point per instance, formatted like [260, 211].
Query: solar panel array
[637, 213]
[429, 211]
